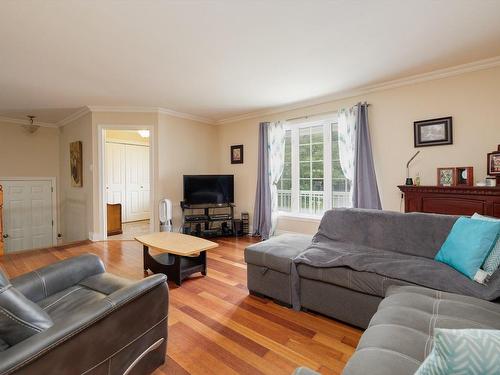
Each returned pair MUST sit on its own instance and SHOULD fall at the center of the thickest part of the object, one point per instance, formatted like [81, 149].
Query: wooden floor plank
[215, 326]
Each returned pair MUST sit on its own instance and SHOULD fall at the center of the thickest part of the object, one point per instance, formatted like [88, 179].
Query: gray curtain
[365, 190]
[262, 210]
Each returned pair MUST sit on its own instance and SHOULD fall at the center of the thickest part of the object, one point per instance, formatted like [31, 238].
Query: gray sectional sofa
[344, 271]
[400, 335]
[375, 270]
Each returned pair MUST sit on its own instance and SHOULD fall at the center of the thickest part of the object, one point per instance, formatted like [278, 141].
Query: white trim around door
[101, 157]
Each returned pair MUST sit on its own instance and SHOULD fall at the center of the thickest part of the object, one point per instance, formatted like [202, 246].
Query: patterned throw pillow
[492, 262]
[463, 351]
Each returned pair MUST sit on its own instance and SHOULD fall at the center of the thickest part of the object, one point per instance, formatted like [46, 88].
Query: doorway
[29, 213]
[126, 182]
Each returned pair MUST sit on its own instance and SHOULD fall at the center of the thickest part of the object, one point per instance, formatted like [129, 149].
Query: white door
[137, 182]
[27, 214]
[115, 173]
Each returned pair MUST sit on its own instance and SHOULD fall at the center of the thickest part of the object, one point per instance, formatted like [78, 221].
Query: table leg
[179, 269]
[203, 257]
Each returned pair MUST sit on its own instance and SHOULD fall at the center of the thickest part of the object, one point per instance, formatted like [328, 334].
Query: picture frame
[237, 154]
[464, 176]
[433, 132]
[493, 160]
[75, 163]
[446, 176]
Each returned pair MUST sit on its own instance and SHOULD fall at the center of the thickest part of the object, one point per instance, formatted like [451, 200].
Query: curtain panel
[271, 160]
[365, 189]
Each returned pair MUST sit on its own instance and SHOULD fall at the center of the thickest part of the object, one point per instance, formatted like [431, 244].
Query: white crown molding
[187, 116]
[17, 121]
[73, 117]
[159, 110]
[417, 78]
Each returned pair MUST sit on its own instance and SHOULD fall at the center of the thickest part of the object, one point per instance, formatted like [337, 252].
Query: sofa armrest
[96, 333]
[53, 278]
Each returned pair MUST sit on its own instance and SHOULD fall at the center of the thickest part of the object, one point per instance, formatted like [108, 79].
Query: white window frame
[294, 127]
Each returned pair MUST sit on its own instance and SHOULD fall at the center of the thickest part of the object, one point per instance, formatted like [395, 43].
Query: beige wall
[184, 147]
[473, 99]
[28, 155]
[76, 202]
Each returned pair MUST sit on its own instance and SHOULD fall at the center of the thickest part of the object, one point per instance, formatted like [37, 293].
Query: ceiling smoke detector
[31, 127]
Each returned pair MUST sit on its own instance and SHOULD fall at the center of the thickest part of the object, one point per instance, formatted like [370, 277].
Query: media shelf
[208, 220]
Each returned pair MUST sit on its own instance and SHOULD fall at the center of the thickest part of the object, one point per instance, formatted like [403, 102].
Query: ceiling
[223, 58]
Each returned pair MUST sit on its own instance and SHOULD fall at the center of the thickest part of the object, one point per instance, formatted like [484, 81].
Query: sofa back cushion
[20, 318]
[416, 233]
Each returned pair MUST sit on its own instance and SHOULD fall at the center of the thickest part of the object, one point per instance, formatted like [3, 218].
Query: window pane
[317, 134]
[304, 153]
[305, 184]
[286, 184]
[317, 152]
[305, 170]
[317, 169]
[287, 170]
[337, 170]
[317, 185]
[304, 136]
[339, 184]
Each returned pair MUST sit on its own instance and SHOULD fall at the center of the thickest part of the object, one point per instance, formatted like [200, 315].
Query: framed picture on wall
[434, 132]
[75, 161]
[237, 154]
[494, 163]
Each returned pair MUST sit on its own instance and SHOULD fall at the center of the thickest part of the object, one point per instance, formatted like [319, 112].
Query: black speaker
[238, 227]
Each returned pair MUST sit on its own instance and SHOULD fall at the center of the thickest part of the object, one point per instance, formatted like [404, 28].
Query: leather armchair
[81, 320]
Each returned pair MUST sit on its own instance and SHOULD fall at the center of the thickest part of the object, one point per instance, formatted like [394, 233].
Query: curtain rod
[316, 114]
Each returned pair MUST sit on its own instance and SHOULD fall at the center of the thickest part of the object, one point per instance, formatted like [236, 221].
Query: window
[312, 179]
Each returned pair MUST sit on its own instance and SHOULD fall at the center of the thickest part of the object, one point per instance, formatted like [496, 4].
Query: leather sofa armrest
[53, 278]
[74, 333]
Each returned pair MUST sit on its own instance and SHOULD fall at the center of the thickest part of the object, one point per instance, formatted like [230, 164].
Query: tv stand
[208, 219]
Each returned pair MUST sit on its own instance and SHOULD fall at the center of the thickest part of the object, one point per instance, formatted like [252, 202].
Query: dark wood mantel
[452, 200]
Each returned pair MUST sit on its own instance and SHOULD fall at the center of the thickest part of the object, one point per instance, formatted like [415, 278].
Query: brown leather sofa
[74, 318]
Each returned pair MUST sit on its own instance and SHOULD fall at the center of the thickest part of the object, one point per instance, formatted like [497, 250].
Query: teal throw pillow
[468, 244]
[492, 262]
[463, 351]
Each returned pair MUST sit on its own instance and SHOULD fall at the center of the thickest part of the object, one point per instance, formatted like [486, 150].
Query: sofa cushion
[277, 252]
[468, 244]
[20, 318]
[400, 334]
[364, 282]
[418, 234]
[85, 293]
[463, 351]
[492, 261]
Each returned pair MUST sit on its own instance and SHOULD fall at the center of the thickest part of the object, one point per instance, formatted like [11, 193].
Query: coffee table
[181, 255]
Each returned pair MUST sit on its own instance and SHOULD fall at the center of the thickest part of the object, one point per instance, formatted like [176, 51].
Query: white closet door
[27, 214]
[137, 182]
[115, 174]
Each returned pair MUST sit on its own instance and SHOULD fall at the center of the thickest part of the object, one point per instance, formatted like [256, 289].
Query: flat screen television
[212, 189]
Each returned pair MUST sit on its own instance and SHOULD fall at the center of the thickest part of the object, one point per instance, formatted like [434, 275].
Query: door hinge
[52, 222]
[52, 189]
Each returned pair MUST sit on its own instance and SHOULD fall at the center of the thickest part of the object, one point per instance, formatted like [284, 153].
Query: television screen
[200, 189]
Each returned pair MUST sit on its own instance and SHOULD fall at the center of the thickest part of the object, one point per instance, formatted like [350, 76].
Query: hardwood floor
[215, 326]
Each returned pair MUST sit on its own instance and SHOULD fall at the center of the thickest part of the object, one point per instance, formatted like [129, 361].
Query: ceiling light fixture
[143, 133]
[31, 127]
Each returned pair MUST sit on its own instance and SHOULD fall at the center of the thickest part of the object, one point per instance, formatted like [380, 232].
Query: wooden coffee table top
[176, 243]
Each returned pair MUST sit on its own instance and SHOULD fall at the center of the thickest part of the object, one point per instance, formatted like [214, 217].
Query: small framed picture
[494, 163]
[435, 132]
[237, 154]
[446, 176]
